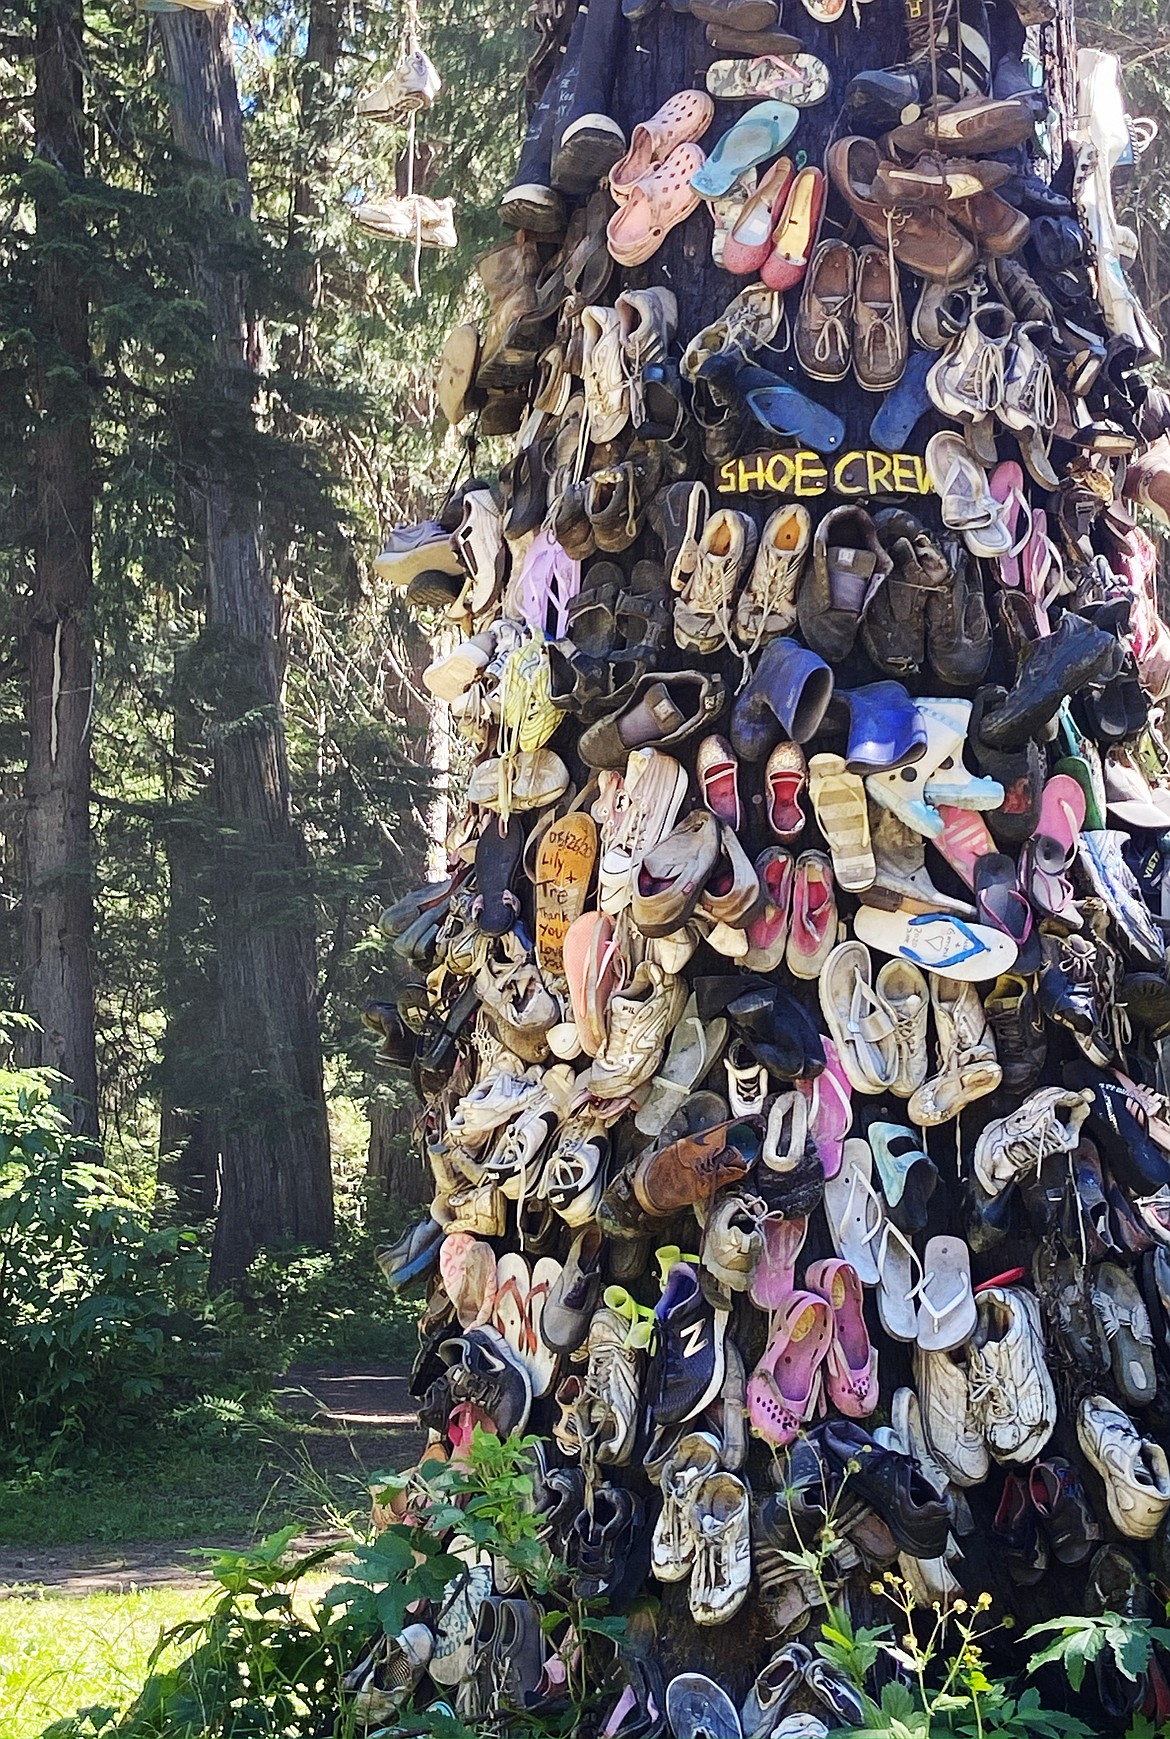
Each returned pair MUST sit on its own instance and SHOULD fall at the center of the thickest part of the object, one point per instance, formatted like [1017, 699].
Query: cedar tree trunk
[58, 868]
[275, 1187]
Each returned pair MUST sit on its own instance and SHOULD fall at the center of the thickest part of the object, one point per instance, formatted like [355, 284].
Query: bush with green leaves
[105, 1323]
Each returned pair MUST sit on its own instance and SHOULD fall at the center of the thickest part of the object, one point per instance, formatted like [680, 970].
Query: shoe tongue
[850, 572]
[656, 716]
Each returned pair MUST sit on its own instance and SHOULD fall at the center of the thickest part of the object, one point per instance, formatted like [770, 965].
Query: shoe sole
[532, 207]
[582, 159]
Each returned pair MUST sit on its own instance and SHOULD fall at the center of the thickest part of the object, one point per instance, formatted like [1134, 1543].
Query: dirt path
[362, 1418]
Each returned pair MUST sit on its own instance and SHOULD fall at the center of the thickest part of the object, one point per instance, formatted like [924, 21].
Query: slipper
[778, 406]
[1042, 569]
[860, 1024]
[947, 1313]
[851, 1368]
[906, 1171]
[800, 79]
[663, 198]
[681, 120]
[1052, 850]
[458, 363]
[1007, 487]
[775, 1277]
[767, 933]
[842, 813]
[830, 1116]
[1000, 903]
[812, 928]
[757, 136]
[785, 1386]
[565, 860]
[937, 942]
[498, 851]
[509, 1313]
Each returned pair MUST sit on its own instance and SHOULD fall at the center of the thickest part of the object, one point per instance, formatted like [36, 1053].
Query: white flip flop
[938, 942]
[947, 1314]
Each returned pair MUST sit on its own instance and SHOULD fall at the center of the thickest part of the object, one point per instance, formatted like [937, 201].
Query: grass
[60, 1654]
[170, 1491]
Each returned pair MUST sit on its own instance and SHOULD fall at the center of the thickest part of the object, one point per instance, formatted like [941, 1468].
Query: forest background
[217, 761]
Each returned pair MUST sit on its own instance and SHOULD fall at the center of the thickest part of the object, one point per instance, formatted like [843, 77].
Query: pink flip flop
[963, 841]
[655, 205]
[786, 1384]
[830, 1108]
[1043, 570]
[1049, 854]
[775, 1277]
[467, 1268]
[1007, 487]
[851, 1365]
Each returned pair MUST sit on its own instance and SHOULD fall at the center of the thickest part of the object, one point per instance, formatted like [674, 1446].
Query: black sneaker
[483, 1369]
[686, 1372]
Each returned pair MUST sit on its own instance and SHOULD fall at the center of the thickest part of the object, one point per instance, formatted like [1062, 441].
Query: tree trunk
[58, 866]
[275, 1178]
[397, 1168]
[187, 1145]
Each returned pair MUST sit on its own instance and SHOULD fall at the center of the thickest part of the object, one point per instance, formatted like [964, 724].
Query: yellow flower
[983, 1602]
[958, 1606]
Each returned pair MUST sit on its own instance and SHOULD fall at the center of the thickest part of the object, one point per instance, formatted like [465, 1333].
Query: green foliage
[1078, 1642]
[258, 1665]
[105, 1325]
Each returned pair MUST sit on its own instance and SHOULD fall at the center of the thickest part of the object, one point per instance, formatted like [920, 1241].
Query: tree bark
[57, 919]
[396, 1168]
[276, 1188]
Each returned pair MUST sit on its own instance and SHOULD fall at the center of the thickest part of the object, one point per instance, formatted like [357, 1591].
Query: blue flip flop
[904, 406]
[784, 410]
[759, 134]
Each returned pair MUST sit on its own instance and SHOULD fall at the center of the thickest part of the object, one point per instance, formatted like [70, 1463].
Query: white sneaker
[610, 1402]
[1048, 1122]
[1134, 1468]
[607, 404]
[634, 812]
[1011, 1392]
[903, 990]
[638, 1022]
[948, 1421]
[968, 1067]
[413, 84]
[719, 1521]
[672, 1547]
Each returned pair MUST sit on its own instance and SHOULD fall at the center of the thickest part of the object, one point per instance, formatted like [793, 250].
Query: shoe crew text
[866, 471]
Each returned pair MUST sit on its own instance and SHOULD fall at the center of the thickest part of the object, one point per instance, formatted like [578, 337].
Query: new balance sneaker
[686, 1372]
